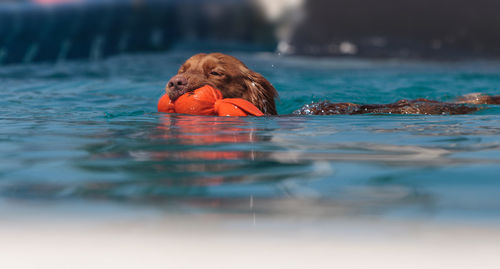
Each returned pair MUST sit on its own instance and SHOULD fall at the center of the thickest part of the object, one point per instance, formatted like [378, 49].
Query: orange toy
[208, 101]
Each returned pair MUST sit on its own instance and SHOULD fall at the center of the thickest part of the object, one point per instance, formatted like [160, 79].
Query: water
[86, 132]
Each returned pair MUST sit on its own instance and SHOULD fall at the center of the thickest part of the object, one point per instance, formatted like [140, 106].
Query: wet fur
[235, 80]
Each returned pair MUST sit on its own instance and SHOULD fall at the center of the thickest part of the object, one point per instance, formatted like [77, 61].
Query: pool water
[89, 131]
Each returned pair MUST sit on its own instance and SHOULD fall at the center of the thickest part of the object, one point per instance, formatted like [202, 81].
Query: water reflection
[182, 156]
[218, 132]
[280, 165]
[219, 163]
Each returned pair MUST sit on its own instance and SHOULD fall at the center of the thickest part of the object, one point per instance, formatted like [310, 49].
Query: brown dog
[463, 105]
[235, 80]
[227, 74]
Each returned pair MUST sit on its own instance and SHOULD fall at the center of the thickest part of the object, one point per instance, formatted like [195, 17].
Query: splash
[287, 14]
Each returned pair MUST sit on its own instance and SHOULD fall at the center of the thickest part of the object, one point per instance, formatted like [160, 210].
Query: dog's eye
[214, 73]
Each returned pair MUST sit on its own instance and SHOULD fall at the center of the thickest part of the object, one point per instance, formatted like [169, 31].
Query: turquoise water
[89, 131]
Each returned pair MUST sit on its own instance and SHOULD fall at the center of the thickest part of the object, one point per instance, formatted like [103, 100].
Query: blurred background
[55, 30]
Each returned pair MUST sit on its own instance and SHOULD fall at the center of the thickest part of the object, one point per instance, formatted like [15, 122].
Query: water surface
[89, 131]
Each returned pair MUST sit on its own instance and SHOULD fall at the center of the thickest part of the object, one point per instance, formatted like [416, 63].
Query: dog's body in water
[417, 106]
[235, 80]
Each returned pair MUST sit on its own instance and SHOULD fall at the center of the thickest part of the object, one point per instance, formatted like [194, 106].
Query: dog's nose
[177, 82]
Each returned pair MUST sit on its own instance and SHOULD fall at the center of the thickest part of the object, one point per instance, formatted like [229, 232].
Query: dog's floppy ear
[260, 92]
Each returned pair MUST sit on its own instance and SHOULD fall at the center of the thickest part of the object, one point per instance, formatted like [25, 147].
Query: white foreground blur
[33, 239]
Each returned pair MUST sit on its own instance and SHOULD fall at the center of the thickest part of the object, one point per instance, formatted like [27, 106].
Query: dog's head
[227, 74]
